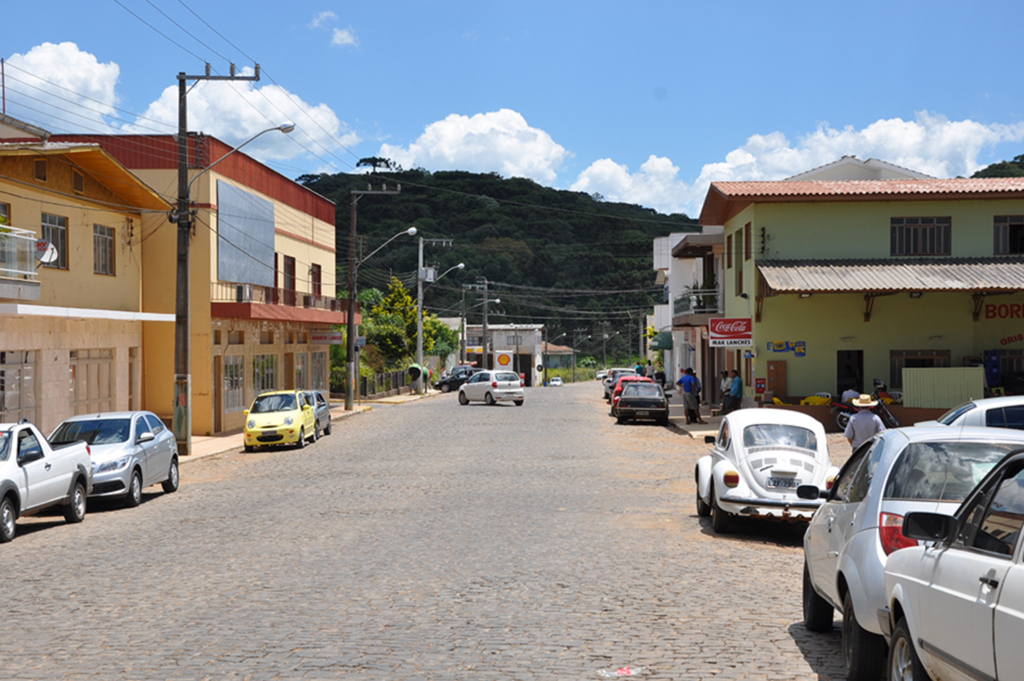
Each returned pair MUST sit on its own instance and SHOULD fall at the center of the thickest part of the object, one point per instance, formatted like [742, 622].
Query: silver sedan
[131, 450]
[492, 387]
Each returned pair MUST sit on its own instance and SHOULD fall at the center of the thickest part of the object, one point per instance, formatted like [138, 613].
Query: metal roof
[697, 244]
[894, 274]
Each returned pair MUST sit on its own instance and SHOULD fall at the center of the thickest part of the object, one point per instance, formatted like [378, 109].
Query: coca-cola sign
[730, 332]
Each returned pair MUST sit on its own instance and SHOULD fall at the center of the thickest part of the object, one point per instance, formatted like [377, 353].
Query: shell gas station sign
[503, 360]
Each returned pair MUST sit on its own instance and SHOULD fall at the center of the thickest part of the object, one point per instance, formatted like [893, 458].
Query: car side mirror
[709, 439]
[29, 457]
[245, 412]
[145, 437]
[810, 492]
[929, 526]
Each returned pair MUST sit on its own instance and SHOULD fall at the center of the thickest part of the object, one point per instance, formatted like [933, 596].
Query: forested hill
[548, 252]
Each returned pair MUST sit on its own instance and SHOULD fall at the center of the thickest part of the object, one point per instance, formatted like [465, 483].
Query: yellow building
[71, 327]
[262, 278]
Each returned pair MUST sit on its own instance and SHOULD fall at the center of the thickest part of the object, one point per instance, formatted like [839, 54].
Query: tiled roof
[894, 274]
[725, 199]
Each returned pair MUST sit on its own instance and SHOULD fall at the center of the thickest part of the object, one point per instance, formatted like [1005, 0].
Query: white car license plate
[642, 413]
[788, 483]
[269, 432]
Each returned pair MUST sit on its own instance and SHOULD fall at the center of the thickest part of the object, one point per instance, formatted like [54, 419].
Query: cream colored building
[71, 330]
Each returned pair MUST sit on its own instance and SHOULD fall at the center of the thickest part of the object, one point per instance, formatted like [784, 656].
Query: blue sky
[645, 102]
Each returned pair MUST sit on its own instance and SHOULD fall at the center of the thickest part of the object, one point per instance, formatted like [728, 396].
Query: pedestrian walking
[649, 370]
[724, 388]
[735, 391]
[688, 384]
[865, 424]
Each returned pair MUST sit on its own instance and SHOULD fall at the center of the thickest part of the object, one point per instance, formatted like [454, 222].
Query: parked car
[995, 412]
[35, 476]
[956, 603]
[321, 410]
[492, 387]
[642, 401]
[131, 450]
[601, 374]
[612, 377]
[555, 382]
[281, 417]
[760, 458]
[861, 522]
[456, 378]
[621, 383]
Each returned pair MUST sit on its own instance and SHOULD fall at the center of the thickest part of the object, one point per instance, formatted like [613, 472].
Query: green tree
[439, 338]
[391, 323]
[1014, 168]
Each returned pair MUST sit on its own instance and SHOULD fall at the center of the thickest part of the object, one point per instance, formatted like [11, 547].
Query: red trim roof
[726, 199]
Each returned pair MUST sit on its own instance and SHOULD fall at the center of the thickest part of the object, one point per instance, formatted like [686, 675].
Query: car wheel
[316, 433]
[863, 652]
[818, 613]
[249, 449]
[134, 496]
[719, 518]
[489, 400]
[904, 664]
[662, 421]
[620, 420]
[7, 517]
[463, 400]
[327, 428]
[170, 485]
[445, 388]
[302, 439]
[75, 511]
[518, 403]
[703, 510]
[842, 419]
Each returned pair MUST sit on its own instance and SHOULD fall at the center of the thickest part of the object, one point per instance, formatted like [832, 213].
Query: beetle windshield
[943, 471]
[779, 435]
[265, 404]
[93, 432]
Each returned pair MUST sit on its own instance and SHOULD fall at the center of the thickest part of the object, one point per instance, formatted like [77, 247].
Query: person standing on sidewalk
[724, 388]
[735, 391]
[865, 424]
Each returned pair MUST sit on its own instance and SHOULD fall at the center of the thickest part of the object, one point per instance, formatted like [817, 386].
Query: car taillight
[494, 384]
[731, 478]
[522, 383]
[88, 450]
[831, 481]
[890, 533]
[616, 398]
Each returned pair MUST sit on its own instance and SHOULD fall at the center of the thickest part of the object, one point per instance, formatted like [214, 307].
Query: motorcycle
[843, 411]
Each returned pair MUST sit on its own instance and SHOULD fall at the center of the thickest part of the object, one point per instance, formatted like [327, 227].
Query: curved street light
[350, 329]
[422, 382]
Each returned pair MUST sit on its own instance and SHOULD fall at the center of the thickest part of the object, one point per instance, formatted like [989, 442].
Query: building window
[513, 340]
[302, 371]
[236, 337]
[316, 279]
[18, 386]
[55, 230]
[914, 359]
[7, 255]
[134, 375]
[266, 337]
[920, 236]
[264, 373]
[739, 263]
[728, 252]
[92, 381]
[78, 181]
[102, 249]
[748, 250]
[41, 169]
[318, 376]
[1009, 234]
[234, 383]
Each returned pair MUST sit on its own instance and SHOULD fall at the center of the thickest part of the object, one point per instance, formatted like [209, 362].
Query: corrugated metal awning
[662, 341]
[895, 274]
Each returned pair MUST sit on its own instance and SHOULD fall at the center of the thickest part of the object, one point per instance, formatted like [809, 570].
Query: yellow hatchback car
[282, 417]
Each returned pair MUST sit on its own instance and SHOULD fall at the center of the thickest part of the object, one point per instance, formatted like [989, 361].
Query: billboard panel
[245, 237]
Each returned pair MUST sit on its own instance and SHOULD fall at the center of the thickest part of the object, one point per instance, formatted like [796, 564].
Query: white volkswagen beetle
[760, 457]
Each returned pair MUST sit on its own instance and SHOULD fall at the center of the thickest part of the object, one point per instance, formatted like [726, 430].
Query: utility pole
[421, 275]
[483, 280]
[182, 413]
[462, 350]
[351, 365]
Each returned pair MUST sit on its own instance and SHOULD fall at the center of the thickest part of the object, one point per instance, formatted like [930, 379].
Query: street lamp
[576, 343]
[181, 422]
[350, 334]
[421, 388]
[604, 347]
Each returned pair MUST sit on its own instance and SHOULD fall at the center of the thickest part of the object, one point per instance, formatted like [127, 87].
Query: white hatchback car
[492, 387]
[760, 458]
[957, 605]
[861, 522]
[994, 412]
[556, 381]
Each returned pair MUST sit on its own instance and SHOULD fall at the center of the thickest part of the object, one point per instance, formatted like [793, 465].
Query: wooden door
[777, 379]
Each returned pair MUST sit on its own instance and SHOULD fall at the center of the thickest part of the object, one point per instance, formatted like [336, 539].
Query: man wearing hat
[865, 424]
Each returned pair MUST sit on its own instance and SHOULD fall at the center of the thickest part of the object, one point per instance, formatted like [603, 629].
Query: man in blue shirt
[736, 393]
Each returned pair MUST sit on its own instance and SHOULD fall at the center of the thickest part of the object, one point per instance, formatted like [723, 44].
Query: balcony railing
[17, 254]
[268, 295]
[698, 301]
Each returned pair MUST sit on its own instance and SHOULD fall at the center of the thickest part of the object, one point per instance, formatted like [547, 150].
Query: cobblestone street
[420, 541]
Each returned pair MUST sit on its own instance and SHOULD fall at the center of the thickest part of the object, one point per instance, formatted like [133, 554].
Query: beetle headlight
[251, 424]
[108, 466]
[288, 421]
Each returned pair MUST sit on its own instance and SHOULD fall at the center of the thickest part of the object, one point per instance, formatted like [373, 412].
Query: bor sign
[734, 332]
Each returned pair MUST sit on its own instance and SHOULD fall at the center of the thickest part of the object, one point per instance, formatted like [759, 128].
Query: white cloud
[929, 143]
[497, 141]
[322, 18]
[235, 111]
[86, 91]
[345, 37]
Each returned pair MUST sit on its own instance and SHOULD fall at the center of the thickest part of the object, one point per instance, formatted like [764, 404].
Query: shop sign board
[731, 332]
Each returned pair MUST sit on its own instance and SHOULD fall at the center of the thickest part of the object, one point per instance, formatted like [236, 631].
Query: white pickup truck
[35, 476]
